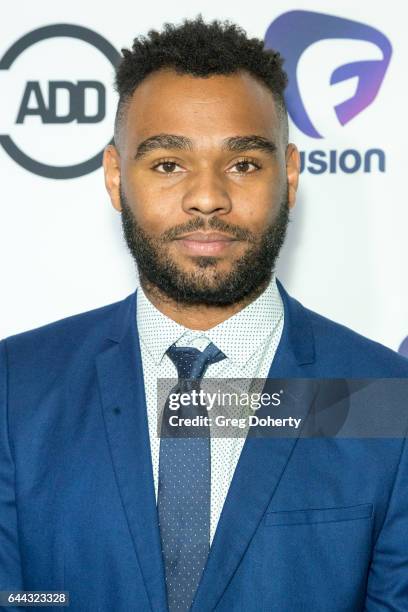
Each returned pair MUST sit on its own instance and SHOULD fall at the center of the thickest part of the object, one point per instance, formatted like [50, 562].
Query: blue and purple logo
[294, 32]
[403, 349]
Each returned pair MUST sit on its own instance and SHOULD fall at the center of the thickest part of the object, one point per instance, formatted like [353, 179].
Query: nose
[206, 194]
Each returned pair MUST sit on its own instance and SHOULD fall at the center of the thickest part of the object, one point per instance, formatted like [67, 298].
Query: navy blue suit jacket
[308, 525]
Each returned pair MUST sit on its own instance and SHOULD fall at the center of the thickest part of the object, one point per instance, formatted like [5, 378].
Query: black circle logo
[47, 110]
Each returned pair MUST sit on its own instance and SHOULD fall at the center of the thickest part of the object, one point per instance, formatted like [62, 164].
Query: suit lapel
[122, 389]
[261, 464]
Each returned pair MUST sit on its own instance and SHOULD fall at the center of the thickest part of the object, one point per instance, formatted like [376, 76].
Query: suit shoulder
[338, 342]
[64, 335]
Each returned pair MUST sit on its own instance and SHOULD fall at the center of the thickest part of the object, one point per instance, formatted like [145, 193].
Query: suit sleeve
[387, 587]
[10, 563]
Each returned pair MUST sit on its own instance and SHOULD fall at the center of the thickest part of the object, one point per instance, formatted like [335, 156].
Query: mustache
[215, 223]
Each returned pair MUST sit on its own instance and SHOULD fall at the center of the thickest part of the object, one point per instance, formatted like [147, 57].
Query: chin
[212, 264]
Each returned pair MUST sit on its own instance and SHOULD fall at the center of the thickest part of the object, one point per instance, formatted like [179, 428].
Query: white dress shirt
[249, 340]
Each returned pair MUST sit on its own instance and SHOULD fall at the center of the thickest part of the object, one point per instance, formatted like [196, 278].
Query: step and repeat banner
[61, 248]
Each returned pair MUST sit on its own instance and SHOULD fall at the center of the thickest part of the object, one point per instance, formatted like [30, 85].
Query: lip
[202, 243]
[207, 237]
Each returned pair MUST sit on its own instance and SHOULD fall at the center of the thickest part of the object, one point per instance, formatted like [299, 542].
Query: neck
[196, 316]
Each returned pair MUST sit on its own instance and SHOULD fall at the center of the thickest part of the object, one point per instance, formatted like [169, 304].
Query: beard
[205, 286]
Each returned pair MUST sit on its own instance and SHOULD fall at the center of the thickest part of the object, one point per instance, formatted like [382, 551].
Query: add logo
[294, 32]
[61, 108]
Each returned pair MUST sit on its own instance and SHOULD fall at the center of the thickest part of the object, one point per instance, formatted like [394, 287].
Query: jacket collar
[297, 342]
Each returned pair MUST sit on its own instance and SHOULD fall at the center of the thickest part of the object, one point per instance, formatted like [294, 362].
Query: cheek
[155, 207]
[257, 205]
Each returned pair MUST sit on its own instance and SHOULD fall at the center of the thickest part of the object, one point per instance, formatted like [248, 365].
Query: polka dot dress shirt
[249, 340]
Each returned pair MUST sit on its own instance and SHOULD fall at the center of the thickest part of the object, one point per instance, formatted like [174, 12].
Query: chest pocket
[319, 515]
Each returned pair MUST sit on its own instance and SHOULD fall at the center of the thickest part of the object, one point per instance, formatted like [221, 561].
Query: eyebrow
[232, 143]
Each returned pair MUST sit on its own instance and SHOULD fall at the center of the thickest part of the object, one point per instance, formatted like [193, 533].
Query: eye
[167, 167]
[245, 166]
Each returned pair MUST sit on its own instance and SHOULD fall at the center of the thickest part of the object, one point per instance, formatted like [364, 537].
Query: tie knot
[192, 363]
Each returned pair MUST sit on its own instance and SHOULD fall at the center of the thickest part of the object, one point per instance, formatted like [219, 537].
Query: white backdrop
[61, 249]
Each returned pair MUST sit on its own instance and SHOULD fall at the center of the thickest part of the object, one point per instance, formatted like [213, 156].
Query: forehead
[207, 110]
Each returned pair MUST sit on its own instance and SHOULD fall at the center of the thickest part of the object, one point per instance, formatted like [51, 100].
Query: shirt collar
[252, 325]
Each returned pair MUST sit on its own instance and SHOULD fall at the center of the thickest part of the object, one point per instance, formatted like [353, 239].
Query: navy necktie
[184, 493]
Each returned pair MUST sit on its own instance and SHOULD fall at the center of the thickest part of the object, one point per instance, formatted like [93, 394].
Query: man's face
[204, 182]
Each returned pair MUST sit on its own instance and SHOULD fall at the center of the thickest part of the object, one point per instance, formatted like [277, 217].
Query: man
[92, 501]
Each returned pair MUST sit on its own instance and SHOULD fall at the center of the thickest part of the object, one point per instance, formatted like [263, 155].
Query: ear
[111, 168]
[292, 172]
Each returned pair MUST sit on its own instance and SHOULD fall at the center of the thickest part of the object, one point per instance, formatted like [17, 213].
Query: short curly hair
[200, 49]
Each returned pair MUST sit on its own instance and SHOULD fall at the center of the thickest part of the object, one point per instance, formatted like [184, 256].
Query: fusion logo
[295, 35]
[59, 110]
